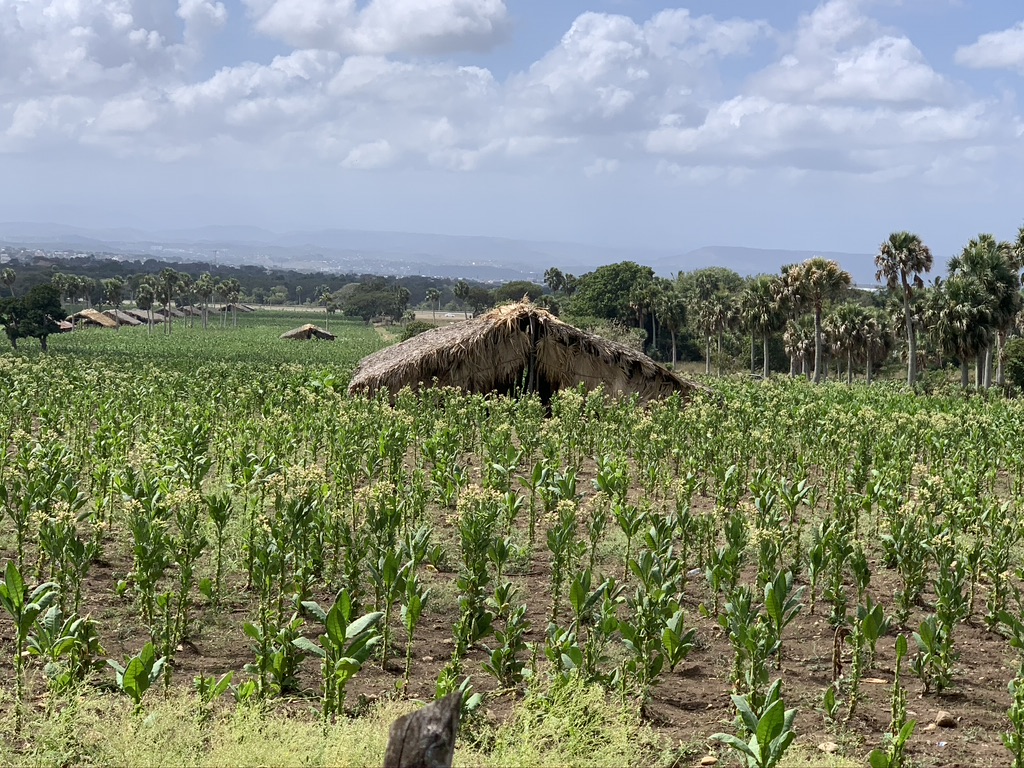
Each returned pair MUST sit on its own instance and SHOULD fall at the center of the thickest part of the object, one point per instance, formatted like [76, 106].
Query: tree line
[806, 318]
[965, 317]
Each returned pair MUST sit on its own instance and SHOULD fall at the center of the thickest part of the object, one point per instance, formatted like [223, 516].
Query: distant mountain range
[400, 253]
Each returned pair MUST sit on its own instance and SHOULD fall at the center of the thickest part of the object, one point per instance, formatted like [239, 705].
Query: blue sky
[806, 125]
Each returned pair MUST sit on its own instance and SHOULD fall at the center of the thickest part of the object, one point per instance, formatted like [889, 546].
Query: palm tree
[60, 282]
[7, 277]
[461, 292]
[554, 279]
[798, 340]
[113, 292]
[901, 261]
[846, 328]
[205, 287]
[791, 301]
[167, 284]
[962, 322]
[233, 295]
[762, 314]
[993, 265]
[434, 297]
[672, 310]
[820, 282]
[144, 299]
[877, 340]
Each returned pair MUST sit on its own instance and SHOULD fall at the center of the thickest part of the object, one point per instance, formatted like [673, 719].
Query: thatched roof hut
[512, 347]
[173, 312]
[122, 318]
[92, 317]
[307, 332]
[139, 314]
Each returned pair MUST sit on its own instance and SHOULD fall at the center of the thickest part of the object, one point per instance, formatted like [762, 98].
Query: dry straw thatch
[92, 317]
[122, 318]
[307, 332]
[515, 347]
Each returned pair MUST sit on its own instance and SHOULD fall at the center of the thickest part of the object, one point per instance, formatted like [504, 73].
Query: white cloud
[374, 154]
[995, 50]
[383, 26]
[844, 94]
[839, 54]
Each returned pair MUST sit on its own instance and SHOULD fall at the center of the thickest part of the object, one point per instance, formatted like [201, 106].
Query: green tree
[671, 310]
[846, 326]
[820, 282]
[166, 286]
[205, 287]
[762, 314]
[461, 292]
[605, 293]
[992, 264]
[516, 290]
[554, 279]
[113, 292]
[34, 315]
[434, 297]
[8, 276]
[901, 261]
[145, 297]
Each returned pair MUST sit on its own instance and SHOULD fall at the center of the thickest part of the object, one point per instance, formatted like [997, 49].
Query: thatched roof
[92, 317]
[493, 352]
[308, 331]
[139, 314]
[122, 318]
[173, 312]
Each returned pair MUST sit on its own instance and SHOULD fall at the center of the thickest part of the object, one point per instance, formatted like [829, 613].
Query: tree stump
[426, 738]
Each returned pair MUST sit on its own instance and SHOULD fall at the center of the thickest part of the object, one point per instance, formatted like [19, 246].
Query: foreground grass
[575, 725]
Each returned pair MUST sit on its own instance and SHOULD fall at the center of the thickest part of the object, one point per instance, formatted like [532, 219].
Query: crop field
[268, 564]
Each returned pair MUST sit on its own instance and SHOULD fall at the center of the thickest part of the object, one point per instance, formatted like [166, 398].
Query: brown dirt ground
[687, 705]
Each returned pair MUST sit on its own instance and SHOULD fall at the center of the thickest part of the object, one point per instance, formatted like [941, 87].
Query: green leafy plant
[771, 733]
[138, 674]
[345, 646]
[69, 646]
[24, 607]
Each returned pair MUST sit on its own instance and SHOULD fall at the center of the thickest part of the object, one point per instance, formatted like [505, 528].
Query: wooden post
[426, 738]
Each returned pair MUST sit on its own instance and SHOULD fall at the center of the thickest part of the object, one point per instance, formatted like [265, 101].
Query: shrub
[415, 328]
[1013, 363]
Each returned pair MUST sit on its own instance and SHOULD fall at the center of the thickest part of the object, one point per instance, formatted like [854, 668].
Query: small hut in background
[91, 318]
[122, 318]
[516, 348]
[307, 332]
[139, 314]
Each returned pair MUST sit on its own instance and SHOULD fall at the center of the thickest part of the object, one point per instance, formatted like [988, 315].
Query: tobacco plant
[344, 647]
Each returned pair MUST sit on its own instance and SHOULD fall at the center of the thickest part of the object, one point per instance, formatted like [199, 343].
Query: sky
[631, 123]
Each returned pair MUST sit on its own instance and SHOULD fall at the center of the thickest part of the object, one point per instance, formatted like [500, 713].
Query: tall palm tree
[762, 313]
[901, 261]
[7, 277]
[821, 282]
[461, 292]
[877, 339]
[962, 322]
[113, 292]
[791, 301]
[798, 340]
[204, 288]
[993, 265]
[846, 329]
[145, 297]
[167, 284]
[672, 311]
[434, 297]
